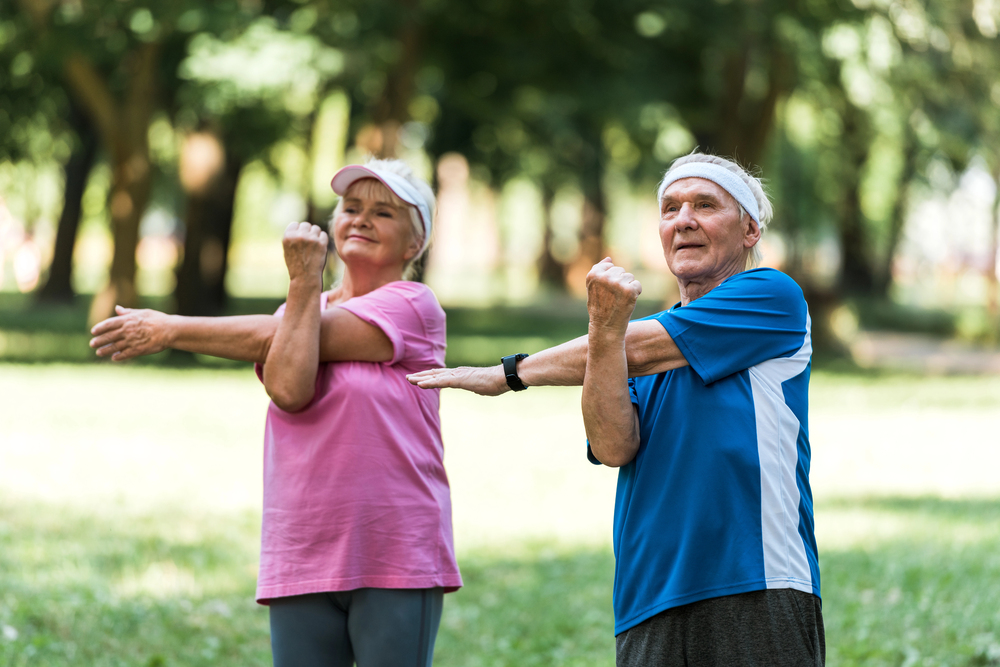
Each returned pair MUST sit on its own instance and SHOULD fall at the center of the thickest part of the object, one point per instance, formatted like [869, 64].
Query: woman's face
[370, 229]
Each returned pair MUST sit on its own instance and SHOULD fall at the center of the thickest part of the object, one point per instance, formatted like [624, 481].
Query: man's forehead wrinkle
[702, 189]
[694, 195]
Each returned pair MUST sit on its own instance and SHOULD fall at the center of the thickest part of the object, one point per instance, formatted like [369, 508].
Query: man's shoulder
[766, 280]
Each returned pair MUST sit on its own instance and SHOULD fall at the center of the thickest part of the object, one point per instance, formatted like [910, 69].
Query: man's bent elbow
[615, 457]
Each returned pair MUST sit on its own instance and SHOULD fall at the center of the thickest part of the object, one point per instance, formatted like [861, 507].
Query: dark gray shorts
[773, 628]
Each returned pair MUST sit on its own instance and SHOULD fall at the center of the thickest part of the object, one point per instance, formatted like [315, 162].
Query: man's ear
[752, 236]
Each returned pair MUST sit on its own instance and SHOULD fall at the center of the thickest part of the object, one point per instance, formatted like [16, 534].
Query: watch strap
[510, 371]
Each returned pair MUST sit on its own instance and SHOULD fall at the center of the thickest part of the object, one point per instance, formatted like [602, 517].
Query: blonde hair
[372, 188]
[756, 186]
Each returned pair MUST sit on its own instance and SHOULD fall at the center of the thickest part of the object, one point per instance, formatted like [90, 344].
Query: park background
[151, 153]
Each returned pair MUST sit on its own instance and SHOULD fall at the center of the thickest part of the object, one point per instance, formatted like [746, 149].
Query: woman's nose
[362, 219]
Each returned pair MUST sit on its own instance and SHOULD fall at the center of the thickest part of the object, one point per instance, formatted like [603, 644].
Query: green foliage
[880, 315]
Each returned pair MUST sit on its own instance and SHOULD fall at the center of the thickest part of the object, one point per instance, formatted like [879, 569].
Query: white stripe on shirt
[785, 561]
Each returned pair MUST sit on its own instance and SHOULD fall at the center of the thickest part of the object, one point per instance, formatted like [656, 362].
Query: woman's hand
[611, 296]
[306, 247]
[133, 333]
[483, 380]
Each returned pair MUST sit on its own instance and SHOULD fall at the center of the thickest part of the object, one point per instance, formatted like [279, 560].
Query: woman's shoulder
[418, 295]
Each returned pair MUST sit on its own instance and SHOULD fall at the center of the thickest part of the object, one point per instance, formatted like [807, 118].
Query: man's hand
[133, 333]
[484, 380]
[611, 296]
[306, 247]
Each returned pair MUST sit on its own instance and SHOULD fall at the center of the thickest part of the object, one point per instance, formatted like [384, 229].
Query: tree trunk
[745, 123]
[900, 209]
[209, 175]
[551, 271]
[992, 288]
[59, 287]
[857, 276]
[392, 109]
[124, 126]
[591, 228]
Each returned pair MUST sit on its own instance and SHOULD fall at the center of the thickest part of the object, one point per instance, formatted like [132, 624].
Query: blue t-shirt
[717, 500]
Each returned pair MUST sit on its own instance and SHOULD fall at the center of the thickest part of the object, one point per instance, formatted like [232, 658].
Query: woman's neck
[360, 280]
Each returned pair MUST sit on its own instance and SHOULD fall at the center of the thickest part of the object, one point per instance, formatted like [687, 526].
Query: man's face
[700, 229]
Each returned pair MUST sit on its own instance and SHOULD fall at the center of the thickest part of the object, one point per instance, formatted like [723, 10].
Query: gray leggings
[377, 627]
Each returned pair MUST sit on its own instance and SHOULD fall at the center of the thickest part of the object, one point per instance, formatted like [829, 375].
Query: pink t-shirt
[355, 491]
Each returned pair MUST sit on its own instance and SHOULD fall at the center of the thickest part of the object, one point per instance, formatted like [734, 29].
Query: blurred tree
[114, 59]
[39, 123]
[232, 104]
[58, 287]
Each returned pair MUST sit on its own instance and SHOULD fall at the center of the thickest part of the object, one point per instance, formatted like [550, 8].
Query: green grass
[129, 522]
[920, 586]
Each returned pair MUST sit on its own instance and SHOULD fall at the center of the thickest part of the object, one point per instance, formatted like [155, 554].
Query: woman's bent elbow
[290, 400]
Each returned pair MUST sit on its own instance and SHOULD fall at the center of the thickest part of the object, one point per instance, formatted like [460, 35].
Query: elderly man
[704, 409]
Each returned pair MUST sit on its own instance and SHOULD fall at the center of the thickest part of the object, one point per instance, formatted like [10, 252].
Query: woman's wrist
[304, 289]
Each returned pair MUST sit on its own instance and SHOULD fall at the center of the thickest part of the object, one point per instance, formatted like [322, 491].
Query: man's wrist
[511, 377]
[170, 329]
[606, 337]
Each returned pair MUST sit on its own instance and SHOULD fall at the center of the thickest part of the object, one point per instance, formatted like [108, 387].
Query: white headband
[719, 175]
[398, 185]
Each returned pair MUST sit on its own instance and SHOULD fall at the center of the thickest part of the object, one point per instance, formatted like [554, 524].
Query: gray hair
[754, 183]
[373, 188]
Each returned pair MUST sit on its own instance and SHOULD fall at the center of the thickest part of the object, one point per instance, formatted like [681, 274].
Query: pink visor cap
[399, 186]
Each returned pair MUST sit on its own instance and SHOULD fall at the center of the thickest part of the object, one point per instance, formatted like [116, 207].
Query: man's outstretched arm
[649, 350]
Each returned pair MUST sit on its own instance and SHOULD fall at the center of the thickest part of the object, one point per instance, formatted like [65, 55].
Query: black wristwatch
[510, 371]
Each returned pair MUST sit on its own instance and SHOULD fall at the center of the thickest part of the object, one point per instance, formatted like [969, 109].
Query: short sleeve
[750, 318]
[409, 315]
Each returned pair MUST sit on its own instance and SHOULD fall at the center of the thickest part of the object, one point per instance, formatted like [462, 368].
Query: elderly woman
[356, 544]
[704, 409]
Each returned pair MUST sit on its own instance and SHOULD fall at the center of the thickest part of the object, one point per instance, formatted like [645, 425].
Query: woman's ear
[413, 249]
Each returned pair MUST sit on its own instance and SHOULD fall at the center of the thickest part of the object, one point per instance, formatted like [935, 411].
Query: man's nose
[685, 217]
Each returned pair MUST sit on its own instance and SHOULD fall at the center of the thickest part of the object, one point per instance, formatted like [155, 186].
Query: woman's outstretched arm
[137, 332]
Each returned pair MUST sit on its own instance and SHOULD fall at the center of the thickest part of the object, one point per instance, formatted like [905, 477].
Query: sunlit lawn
[129, 524]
